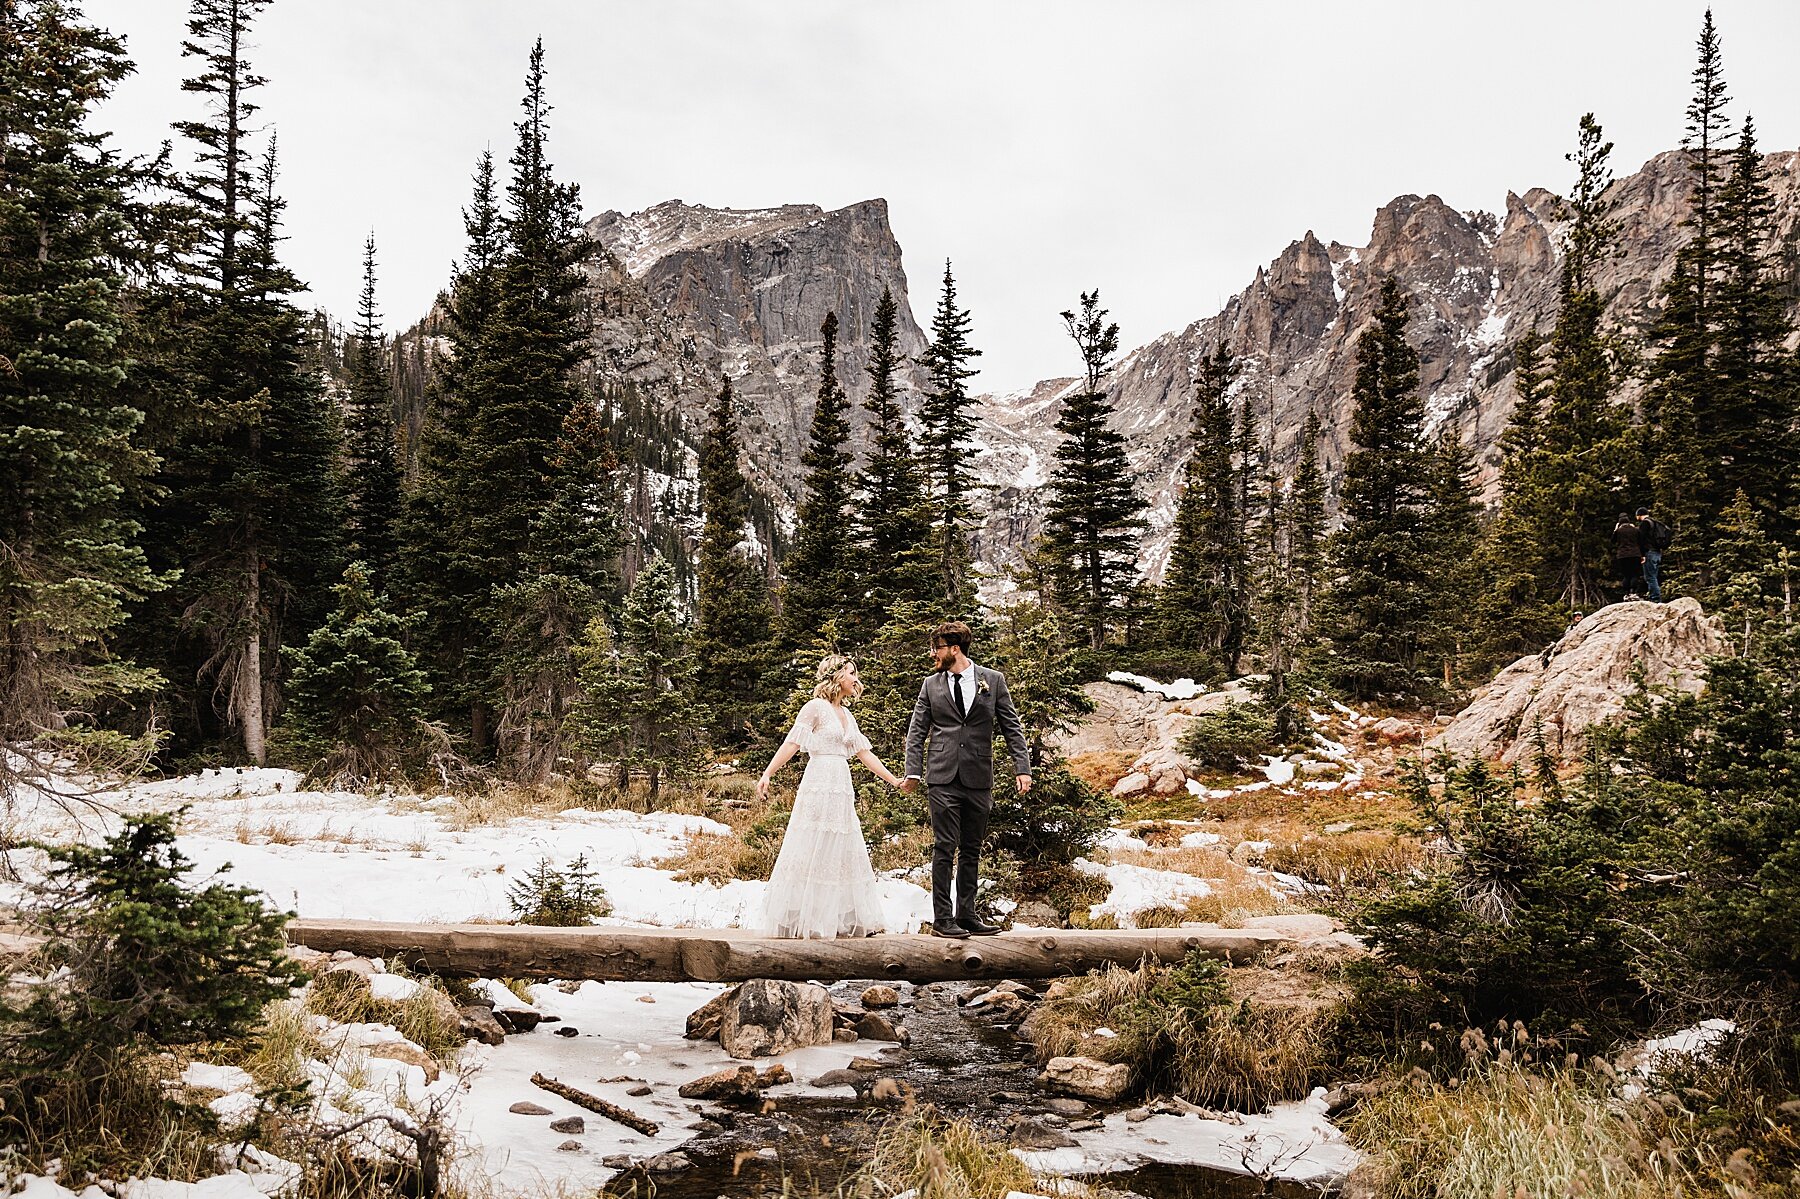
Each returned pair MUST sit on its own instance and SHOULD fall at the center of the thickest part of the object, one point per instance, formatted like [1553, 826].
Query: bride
[823, 885]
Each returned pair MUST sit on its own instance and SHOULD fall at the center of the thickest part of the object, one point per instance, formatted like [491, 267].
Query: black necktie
[956, 683]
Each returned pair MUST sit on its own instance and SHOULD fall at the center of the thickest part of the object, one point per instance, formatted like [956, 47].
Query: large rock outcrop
[1584, 679]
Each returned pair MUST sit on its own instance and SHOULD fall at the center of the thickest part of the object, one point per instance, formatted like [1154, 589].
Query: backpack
[1659, 535]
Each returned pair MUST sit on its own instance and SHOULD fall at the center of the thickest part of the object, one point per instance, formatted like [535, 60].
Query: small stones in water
[706, 1128]
[774, 1076]
[880, 996]
[617, 1161]
[1085, 1126]
[574, 1125]
[873, 1027]
[639, 1091]
[1034, 1134]
[570, 1146]
[737, 1082]
[517, 1019]
[526, 1107]
[1008, 1097]
[568, 1030]
[668, 1163]
[1137, 1115]
[1066, 1107]
[839, 1078]
[867, 1065]
[845, 1035]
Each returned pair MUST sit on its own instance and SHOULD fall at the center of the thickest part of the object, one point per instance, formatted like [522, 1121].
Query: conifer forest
[1447, 643]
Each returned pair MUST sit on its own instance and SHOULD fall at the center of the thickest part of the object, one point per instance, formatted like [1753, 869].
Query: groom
[957, 709]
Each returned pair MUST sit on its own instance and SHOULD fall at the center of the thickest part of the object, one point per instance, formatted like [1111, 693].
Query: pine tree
[1093, 514]
[1706, 143]
[1584, 444]
[639, 710]
[949, 428]
[1193, 614]
[444, 580]
[69, 431]
[1380, 600]
[818, 569]
[1752, 578]
[372, 492]
[358, 696]
[1305, 521]
[734, 637]
[1453, 527]
[893, 521]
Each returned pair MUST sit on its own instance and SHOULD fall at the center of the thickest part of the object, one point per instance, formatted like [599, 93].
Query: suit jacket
[962, 747]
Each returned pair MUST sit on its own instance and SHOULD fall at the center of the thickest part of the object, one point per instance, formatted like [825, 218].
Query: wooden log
[594, 1103]
[718, 955]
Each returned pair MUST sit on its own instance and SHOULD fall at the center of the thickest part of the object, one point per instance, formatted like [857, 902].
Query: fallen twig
[594, 1103]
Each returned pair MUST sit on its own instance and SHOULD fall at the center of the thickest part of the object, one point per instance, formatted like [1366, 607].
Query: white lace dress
[823, 885]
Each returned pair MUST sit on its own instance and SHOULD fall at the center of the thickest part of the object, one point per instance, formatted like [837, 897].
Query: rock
[866, 1065]
[1394, 729]
[706, 1128]
[1135, 783]
[1033, 1134]
[1584, 680]
[1066, 1107]
[1001, 1098]
[1086, 1125]
[1005, 1006]
[840, 1078]
[703, 1022]
[570, 1124]
[1301, 926]
[639, 1091]
[567, 1030]
[668, 1163]
[617, 1161]
[1037, 914]
[1137, 1115]
[1165, 766]
[570, 1147]
[526, 1107]
[411, 1054]
[769, 1017]
[774, 1076]
[443, 1008]
[478, 1024]
[517, 1019]
[873, 1027]
[1313, 768]
[1087, 1077]
[879, 996]
[845, 1035]
[738, 1082]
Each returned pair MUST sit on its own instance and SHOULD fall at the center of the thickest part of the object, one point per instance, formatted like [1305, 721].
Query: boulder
[1582, 680]
[478, 1024]
[703, 1022]
[1035, 1134]
[1087, 1077]
[737, 1082]
[668, 1163]
[840, 1078]
[873, 1027]
[526, 1107]
[880, 996]
[402, 1050]
[517, 1019]
[1135, 783]
[1394, 729]
[573, 1125]
[769, 1017]
[1037, 914]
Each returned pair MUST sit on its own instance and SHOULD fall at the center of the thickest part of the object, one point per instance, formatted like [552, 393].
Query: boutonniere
[981, 688]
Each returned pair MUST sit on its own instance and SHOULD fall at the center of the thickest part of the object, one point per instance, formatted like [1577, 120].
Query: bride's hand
[762, 787]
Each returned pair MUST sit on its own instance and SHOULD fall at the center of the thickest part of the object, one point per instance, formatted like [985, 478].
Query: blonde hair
[826, 686]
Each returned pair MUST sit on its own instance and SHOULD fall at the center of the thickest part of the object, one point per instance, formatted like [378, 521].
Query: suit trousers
[959, 821]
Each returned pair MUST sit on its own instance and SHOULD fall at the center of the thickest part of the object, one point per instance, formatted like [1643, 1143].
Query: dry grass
[1103, 769]
[1236, 893]
[902, 852]
[281, 1046]
[1508, 1132]
[941, 1158]
[1351, 860]
[718, 858]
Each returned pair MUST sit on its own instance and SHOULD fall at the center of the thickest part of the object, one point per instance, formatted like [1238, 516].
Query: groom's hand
[1022, 783]
[910, 783]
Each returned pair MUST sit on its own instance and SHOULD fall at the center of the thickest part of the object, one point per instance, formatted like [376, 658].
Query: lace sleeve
[805, 732]
[855, 742]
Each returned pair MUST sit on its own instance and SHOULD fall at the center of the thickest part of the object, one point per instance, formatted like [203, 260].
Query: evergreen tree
[1752, 578]
[1584, 453]
[1453, 526]
[1194, 615]
[358, 696]
[638, 709]
[1707, 143]
[734, 638]
[818, 569]
[949, 429]
[372, 493]
[252, 516]
[1380, 600]
[444, 579]
[893, 521]
[69, 432]
[1305, 521]
[1093, 513]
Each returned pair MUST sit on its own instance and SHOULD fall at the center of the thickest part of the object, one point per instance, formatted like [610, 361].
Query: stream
[959, 1064]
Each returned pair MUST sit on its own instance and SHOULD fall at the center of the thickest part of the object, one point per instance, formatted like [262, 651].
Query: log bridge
[728, 955]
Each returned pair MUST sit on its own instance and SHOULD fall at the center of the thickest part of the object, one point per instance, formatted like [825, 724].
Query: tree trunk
[250, 679]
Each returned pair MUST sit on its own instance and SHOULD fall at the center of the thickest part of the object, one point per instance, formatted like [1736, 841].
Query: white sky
[1158, 149]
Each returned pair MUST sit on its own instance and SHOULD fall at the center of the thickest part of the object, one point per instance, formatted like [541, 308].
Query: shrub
[563, 898]
[937, 1158]
[1059, 820]
[1229, 738]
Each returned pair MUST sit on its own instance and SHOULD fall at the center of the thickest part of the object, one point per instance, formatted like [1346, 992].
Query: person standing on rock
[823, 885]
[1653, 535]
[1628, 554]
[950, 746]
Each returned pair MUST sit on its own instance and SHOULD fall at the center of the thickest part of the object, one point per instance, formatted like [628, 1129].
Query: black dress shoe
[948, 928]
[977, 929]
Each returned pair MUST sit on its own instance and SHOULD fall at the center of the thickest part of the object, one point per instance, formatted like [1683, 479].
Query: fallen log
[594, 1103]
[726, 955]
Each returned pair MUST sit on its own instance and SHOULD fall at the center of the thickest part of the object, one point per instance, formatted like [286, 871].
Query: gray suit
[958, 772]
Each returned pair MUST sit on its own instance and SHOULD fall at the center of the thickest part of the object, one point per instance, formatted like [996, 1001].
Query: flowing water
[960, 1065]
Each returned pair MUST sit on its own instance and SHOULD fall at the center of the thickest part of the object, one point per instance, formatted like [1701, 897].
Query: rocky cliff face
[1479, 280]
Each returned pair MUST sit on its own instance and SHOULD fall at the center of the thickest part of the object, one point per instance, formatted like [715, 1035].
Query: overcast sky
[1160, 151]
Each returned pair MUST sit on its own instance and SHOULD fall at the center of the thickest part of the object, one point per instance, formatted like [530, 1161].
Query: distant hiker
[1628, 554]
[1654, 535]
[1575, 618]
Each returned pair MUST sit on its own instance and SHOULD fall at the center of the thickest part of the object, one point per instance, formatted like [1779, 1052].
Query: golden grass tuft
[941, 1158]
[1354, 860]
[718, 858]
[1236, 893]
[1102, 769]
[1505, 1131]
